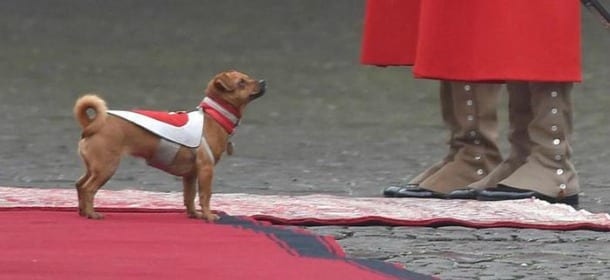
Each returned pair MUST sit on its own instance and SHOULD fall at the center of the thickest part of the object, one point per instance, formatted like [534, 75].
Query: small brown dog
[107, 135]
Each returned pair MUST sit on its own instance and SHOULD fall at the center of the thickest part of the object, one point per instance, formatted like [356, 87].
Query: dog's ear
[223, 82]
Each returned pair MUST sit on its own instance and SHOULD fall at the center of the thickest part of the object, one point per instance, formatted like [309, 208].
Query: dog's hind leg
[79, 190]
[99, 175]
[79, 185]
[189, 193]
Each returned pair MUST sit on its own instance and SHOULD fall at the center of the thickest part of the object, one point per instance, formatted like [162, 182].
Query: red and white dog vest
[181, 128]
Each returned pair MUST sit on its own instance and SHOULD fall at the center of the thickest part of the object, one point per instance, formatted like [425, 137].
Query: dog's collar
[222, 112]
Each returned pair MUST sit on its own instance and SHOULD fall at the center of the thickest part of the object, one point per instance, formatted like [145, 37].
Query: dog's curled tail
[90, 124]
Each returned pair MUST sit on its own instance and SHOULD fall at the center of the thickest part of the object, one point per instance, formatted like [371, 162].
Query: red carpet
[47, 244]
[336, 210]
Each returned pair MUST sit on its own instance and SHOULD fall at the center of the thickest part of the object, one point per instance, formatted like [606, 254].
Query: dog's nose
[262, 84]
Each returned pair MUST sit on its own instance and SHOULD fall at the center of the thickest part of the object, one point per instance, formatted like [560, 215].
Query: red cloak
[476, 40]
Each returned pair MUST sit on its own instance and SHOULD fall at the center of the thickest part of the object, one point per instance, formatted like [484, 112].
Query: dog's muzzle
[262, 87]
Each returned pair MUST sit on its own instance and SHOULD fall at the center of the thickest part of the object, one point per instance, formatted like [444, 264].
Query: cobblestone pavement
[465, 253]
[327, 125]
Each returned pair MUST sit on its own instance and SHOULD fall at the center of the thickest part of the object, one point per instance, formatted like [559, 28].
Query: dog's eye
[241, 83]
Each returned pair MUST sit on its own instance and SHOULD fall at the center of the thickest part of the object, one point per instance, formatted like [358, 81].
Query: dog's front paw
[210, 217]
[93, 216]
[194, 215]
